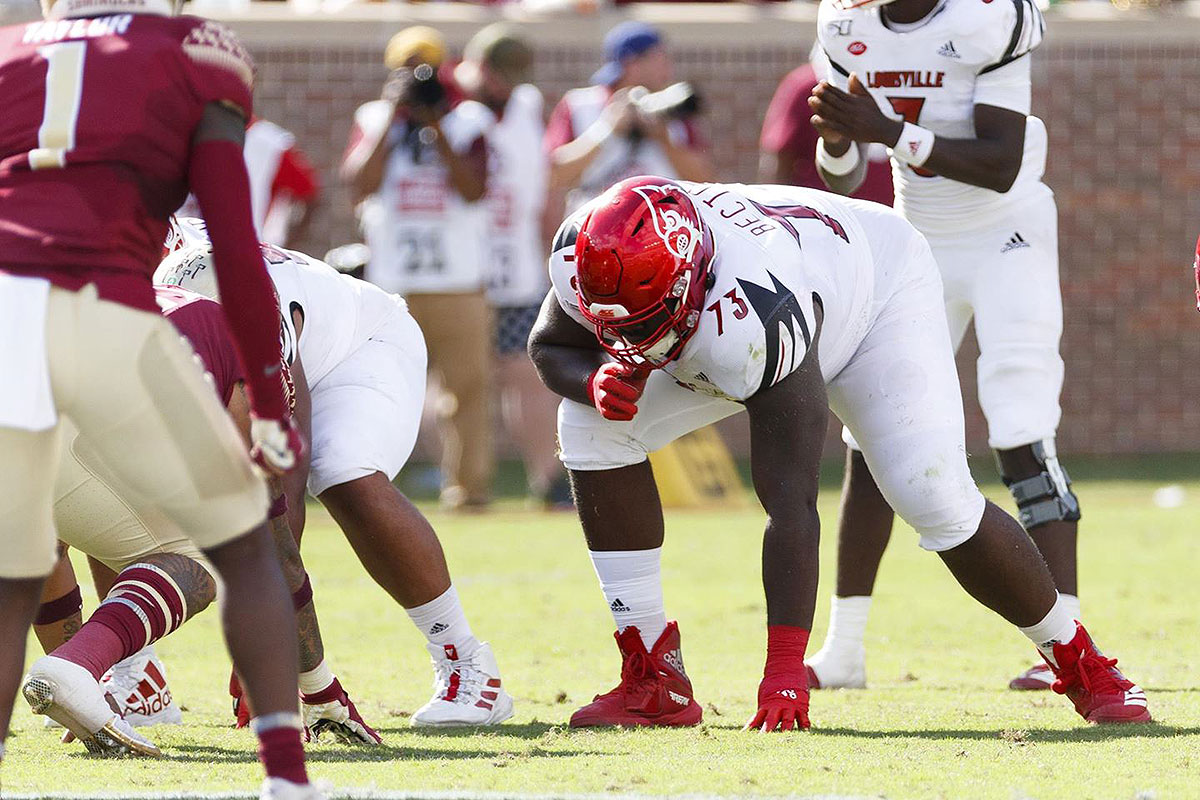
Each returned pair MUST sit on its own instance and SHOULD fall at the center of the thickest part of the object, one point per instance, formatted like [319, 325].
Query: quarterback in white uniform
[946, 85]
[363, 358]
[676, 305]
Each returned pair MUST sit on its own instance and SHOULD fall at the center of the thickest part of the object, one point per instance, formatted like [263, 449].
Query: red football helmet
[642, 266]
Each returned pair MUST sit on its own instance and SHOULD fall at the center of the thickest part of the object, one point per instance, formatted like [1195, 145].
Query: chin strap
[66, 9]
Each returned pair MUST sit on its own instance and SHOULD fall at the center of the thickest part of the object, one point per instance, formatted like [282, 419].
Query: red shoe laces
[637, 671]
[1097, 675]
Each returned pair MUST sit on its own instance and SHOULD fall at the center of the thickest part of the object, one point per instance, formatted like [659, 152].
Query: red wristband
[785, 650]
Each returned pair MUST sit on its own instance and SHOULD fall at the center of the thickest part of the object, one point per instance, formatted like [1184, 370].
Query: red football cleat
[1100, 692]
[654, 689]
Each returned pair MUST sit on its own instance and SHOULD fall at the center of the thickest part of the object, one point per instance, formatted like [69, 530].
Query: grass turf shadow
[1091, 733]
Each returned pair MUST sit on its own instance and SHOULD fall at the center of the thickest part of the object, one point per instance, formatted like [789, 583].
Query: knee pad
[1047, 496]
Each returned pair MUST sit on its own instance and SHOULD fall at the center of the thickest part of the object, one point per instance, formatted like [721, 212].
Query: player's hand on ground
[275, 445]
[333, 712]
[615, 389]
[853, 114]
[782, 704]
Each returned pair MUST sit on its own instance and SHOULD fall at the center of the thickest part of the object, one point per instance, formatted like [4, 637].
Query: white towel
[26, 399]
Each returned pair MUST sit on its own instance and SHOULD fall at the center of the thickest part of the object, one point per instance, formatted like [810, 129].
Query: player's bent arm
[992, 159]
[787, 431]
[217, 176]
[563, 352]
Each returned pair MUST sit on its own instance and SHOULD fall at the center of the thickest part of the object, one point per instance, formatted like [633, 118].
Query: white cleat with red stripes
[466, 688]
[139, 686]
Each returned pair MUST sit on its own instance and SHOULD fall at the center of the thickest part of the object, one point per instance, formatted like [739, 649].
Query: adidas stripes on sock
[1057, 626]
[442, 620]
[632, 584]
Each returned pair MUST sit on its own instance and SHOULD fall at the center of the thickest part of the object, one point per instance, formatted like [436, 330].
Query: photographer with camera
[417, 164]
[631, 121]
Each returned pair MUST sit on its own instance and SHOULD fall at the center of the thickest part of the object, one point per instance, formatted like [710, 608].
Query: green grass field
[936, 722]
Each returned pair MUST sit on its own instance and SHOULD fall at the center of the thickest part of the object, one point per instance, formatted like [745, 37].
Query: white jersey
[516, 196]
[620, 157]
[933, 73]
[778, 251]
[423, 236]
[339, 312]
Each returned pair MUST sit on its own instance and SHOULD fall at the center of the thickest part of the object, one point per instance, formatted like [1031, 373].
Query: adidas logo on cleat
[1016, 241]
[618, 607]
[678, 698]
[437, 628]
[948, 51]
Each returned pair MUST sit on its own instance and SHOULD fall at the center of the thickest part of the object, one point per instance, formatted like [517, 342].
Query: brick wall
[1121, 100]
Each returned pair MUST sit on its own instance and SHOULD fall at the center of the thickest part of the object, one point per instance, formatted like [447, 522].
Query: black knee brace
[1047, 496]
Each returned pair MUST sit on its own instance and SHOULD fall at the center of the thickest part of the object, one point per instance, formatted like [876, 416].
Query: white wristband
[837, 165]
[914, 145]
[597, 132]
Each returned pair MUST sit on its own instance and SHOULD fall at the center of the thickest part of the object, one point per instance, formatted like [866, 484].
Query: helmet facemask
[648, 338]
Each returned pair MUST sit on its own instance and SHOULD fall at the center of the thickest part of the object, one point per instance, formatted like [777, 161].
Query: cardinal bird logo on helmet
[678, 232]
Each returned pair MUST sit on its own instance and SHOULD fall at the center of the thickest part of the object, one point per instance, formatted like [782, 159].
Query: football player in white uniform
[363, 357]
[946, 85]
[140, 557]
[676, 305]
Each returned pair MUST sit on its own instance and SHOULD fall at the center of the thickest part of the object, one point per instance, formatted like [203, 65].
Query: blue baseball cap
[626, 40]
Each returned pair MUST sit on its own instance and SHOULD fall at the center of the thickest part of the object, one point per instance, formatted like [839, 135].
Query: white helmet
[190, 268]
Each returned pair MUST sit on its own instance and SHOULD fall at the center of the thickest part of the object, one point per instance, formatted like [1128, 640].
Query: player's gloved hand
[614, 390]
[783, 693]
[332, 711]
[276, 445]
[782, 704]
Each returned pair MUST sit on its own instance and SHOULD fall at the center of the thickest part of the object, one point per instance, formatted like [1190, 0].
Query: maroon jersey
[202, 322]
[95, 137]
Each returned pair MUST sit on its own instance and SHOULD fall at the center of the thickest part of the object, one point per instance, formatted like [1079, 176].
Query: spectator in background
[789, 141]
[495, 71]
[418, 166]
[283, 184]
[598, 136]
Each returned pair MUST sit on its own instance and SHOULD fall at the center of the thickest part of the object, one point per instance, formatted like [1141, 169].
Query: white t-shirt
[778, 251]
[424, 237]
[516, 195]
[933, 73]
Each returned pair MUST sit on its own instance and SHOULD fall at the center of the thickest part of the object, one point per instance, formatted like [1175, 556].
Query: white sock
[1057, 626]
[1072, 601]
[847, 623]
[1, 751]
[316, 679]
[442, 620]
[632, 584]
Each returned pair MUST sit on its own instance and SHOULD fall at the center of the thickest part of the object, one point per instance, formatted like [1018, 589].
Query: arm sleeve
[1009, 86]
[218, 178]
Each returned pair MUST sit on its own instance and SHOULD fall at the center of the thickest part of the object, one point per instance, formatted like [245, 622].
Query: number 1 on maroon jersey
[64, 93]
